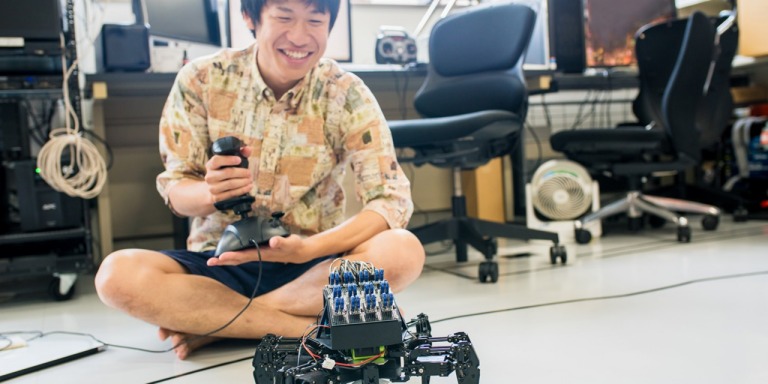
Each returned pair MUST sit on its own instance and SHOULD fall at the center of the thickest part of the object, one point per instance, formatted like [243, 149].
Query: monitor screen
[31, 19]
[188, 20]
[539, 53]
[339, 42]
[610, 26]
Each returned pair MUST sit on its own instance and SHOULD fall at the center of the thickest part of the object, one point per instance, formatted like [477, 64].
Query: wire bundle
[68, 162]
[354, 267]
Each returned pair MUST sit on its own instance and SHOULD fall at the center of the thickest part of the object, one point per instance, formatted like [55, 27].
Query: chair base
[480, 234]
[636, 203]
[741, 208]
[465, 231]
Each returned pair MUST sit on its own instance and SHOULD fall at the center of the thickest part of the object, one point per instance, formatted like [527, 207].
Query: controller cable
[4, 335]
[608, 297]
[38, 334]
[532, 306]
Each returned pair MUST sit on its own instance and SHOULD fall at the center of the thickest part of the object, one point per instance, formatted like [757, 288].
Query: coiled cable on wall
[69, 162]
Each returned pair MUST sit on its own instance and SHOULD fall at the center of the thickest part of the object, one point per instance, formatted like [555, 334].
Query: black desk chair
[712, 118]
[475, 102]
[669, 144]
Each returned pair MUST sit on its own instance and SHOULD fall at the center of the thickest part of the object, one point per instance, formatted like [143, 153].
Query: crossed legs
[153, 287]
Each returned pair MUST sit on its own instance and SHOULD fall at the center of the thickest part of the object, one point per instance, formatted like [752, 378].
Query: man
[303, 119]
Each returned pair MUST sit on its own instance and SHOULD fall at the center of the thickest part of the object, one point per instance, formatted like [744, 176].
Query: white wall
[366, 19]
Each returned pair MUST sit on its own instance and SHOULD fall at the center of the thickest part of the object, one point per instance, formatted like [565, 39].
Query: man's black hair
[253, 8]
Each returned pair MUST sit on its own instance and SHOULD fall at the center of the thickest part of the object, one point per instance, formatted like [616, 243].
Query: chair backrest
[685, 90]
[475, 62]
[717, 104]
[683, 86]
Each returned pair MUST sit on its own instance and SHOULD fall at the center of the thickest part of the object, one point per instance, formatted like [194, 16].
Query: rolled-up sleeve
[183, 132]
[380, 182]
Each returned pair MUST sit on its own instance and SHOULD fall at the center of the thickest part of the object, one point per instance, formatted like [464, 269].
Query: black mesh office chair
[713, 116]
[669, 144]
[474, 101]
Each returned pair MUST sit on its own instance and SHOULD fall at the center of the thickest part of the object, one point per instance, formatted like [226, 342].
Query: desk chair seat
[474, 102]
[668, 145]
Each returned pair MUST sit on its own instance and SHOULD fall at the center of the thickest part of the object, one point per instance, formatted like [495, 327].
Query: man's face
[292, 37]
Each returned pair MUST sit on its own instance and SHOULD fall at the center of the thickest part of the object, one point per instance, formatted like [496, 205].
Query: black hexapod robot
[361, 336]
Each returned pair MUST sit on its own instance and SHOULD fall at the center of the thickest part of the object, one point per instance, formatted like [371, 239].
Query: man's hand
[291, 249]
[225, 179]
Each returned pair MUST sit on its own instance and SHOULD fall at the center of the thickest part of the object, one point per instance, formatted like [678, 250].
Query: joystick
[230, 146]
[249, 231]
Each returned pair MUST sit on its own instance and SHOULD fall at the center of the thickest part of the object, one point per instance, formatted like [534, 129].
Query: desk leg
[517, 159]
[103, 201]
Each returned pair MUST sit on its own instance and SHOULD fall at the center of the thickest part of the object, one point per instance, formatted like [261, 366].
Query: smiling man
[304, 121]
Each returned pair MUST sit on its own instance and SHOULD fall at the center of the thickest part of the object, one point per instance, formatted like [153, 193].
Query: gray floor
[628, 308]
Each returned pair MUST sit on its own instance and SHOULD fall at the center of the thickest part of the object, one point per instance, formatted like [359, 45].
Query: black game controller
[249, 231]
[230, 146]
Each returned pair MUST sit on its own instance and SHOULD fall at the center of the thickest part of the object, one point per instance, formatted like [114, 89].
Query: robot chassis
[362, 337]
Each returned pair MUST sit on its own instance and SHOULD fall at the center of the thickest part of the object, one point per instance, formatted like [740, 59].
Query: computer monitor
[610, 26]
[31, 19]
[539, 55]
[194, 21]
[339, 42]
[30, 26]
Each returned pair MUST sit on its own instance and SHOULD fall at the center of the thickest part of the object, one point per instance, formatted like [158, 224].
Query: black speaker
[567, 21]
[14, 132]
[123, 48]
[32, 204]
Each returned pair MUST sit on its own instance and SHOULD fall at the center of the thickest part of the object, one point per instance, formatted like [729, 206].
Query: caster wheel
[710, 222]
[583, 236]
[491, 247]
[740, 214]
[56, 294]
[488, 270]
[684, 234]
[656, 221]
[558, 252]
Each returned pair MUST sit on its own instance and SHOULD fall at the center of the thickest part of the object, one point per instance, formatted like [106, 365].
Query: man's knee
[121, 276]
[410, 245]
[407, 252]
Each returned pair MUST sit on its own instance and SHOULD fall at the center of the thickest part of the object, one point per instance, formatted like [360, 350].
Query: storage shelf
[30, 237]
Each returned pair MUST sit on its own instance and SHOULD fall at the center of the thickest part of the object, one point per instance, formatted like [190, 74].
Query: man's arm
[190, 198]
[294, 249]
[348, 235]
[195, 198]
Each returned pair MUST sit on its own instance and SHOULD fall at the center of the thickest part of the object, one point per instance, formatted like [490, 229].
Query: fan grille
[562, 190]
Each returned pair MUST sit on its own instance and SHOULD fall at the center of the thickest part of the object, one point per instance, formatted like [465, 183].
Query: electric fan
[560, 192]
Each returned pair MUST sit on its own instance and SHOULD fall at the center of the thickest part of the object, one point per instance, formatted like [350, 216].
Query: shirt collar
[293, 96]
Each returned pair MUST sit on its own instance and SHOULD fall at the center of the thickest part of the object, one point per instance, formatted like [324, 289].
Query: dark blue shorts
[242, 278]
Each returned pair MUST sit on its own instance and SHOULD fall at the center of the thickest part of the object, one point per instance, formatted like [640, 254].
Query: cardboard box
[484, 190]
[753, 27]
[749, 95]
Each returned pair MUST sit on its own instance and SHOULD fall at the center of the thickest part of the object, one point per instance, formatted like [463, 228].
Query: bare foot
[183, 342]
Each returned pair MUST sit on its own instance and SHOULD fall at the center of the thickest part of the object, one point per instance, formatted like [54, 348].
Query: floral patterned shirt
[302, 143]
